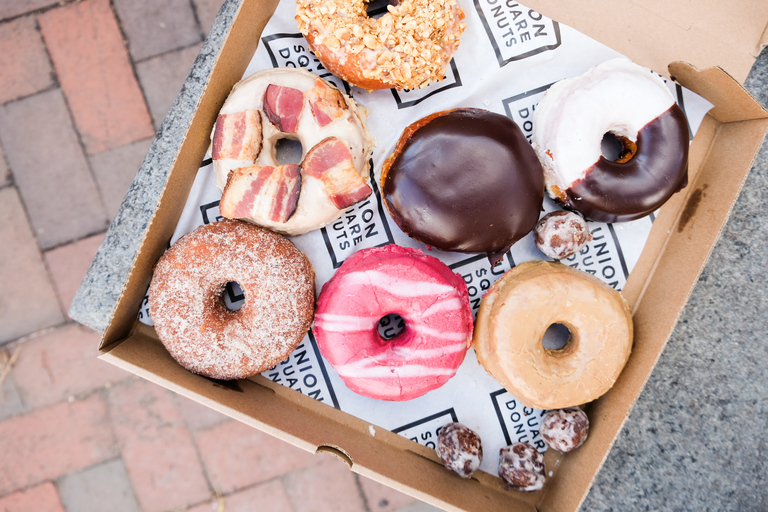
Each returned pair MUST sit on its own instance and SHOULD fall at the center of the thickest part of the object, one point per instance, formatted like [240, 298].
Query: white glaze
[571, 119]
[314, 209]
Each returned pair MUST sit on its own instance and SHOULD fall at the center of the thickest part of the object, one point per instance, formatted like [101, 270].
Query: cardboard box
[708, 50]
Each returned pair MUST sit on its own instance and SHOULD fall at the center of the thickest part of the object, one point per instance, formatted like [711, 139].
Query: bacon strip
[267, 193]
[327, 103]
[283, 106]
[331, 162]
[237, 136]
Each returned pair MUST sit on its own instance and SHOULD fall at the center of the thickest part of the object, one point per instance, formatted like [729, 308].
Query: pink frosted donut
[431, 299]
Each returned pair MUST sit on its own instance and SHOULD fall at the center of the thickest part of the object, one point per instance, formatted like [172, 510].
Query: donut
[459, 448]
[620, 98]
[406, 48]
[565, 429]
[521, 467]
[518, 309]
[292, 199]
[191, 319]
[561, 234]
[430, 298]
[464, 180]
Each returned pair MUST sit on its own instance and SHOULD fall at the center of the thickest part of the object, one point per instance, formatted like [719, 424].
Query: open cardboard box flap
[710, 51]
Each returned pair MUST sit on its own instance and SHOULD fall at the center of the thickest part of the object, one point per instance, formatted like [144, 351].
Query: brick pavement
[83, 86]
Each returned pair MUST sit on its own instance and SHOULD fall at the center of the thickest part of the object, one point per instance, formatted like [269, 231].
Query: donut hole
[288, 151]
[390, 326]
[617, 148]
[378, 8]
[556, 338]
[233, 296]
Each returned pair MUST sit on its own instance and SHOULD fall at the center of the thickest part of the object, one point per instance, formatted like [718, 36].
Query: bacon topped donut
[406, 48]
[292, 199]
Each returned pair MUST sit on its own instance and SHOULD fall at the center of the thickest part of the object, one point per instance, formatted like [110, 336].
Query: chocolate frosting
[466, 180]
[619, 192]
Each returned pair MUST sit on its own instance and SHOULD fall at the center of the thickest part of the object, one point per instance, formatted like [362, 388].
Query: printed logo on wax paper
[305, 372]
[479, 275]
[520, 108]
[363, 226]
[410, 97]
[424, 431]
[516, 32]
[519, 424]
[602, 257]
[292, 51]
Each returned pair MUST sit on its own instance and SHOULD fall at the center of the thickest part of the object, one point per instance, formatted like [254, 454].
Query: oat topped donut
[408, 47]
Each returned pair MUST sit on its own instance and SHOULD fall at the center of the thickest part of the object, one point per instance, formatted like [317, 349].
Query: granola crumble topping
[407, 47]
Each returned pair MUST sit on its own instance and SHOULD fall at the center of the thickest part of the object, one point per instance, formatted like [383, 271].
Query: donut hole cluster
[288, 151]
[391, 326]
[556, 338]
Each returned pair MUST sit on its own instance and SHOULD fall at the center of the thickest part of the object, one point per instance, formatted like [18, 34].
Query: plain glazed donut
[633, 104]
[197, 328]
[288, 103]
[431, 299]
[517, 310]
[406, 48]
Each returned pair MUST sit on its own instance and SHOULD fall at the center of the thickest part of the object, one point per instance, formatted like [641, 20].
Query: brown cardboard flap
[706, 33]
[314, 426]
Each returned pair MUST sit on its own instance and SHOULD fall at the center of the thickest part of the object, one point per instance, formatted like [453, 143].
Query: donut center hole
[556, 337]
[378, 8]
[288, 151]
[390, 326]
[617, 148]
[233, 296]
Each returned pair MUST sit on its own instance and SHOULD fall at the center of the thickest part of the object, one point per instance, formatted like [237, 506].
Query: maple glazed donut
[288, 103]
[406, 48]
[464, 180]
[431, 299]
[630, 102]
[191, 319]
[518, 309]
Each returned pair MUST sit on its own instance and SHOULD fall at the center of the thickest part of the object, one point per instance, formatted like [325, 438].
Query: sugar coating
[561, 234]
[460, 449]
[565, 429]
[191, 319]
[521, 467]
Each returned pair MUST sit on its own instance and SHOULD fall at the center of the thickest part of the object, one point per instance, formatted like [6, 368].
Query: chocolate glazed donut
[464, 180]
[619, 192]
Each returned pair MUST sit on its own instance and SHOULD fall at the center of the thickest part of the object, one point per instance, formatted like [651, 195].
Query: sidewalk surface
[83, 87]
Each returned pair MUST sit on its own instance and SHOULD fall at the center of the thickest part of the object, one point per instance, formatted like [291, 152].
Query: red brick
[382, 498]
[11, 8]
[154, 27]
[237, 456]
[61, 363]
[24, 65]
[68, 265]
[95, 73]
[51, 442]
[268, 497]
[50, 169]
[328, 485]
[42, 498]
[197, 416]
[206, 12]
[23, 277]
[157, 448]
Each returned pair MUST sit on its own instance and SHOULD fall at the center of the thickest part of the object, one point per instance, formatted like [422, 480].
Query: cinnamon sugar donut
[406, 48]
[197, 328]
[518, 309]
